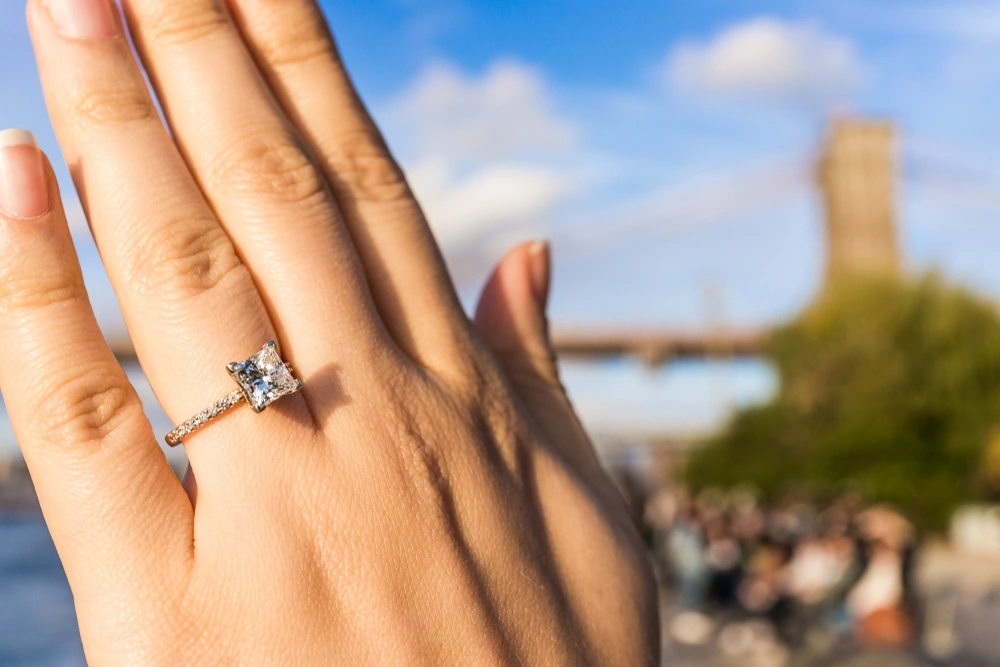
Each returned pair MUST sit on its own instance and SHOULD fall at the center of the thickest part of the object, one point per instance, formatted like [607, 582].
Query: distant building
[857, 175]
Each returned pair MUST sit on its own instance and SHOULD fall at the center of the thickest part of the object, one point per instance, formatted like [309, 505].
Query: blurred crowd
[792, 577]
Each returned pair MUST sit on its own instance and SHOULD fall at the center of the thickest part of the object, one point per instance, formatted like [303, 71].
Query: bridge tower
[857, 177]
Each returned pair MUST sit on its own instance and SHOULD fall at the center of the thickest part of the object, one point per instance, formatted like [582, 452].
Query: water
[37, 621]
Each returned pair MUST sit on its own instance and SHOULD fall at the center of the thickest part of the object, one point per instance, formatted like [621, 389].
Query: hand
[428, 498]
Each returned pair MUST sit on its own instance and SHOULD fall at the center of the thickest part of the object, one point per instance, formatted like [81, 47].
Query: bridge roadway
[655, 347]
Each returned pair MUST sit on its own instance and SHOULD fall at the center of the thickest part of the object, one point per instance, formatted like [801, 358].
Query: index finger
[111, 501]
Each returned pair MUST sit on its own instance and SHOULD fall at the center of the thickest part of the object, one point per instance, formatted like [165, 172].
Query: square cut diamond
[264, 378]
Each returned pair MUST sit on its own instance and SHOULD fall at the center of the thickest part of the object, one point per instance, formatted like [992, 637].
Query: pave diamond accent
[203, 417]
[264, 377]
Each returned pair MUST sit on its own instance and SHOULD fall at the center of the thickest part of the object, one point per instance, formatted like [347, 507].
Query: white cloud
[506, 111]
[484, 153]
[489, 197]
[768, 60]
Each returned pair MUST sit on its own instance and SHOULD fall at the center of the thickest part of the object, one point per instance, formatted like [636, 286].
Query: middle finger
[270, 198]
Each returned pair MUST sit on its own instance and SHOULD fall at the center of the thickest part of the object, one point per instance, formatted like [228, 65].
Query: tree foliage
[888, 388]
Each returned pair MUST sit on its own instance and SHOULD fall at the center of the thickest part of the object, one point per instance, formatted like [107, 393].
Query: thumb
[512, 321]
[511, 315]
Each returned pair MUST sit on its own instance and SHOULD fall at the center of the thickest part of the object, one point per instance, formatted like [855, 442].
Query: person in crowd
[724, 556]
[687, 558]
[881, 600]
[827, 574]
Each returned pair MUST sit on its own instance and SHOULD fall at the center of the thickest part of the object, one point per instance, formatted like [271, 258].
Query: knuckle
[465, 368]
[112, 105]
[365, 169]
[180, 22]
[296, 34]
[299, 48]
[269, 167]
[477, 387]
[25, 290]
[482, 395]
[421, 464]
[87, 408]
[180, 260]
[418, 459]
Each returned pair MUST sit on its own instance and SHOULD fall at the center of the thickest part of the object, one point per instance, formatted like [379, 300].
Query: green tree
[889, 387]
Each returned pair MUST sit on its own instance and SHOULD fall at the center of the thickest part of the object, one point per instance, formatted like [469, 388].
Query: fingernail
[539, 254]
[24, 192]
[83, 19]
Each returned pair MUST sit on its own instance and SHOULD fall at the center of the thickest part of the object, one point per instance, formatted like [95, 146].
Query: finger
[189, 302]
[272, 201]
[511, 319]
[113, 505]
[406, 273]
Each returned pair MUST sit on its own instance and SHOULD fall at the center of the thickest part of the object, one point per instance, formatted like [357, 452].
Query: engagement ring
[262, 379]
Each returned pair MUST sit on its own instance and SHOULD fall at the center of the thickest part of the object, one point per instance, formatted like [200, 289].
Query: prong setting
[263, 377]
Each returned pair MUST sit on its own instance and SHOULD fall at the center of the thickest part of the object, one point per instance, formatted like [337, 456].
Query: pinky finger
[106, 490]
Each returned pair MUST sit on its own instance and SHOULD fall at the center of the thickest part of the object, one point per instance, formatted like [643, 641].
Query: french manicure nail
[24, 192]
[83, 19]
[539, 253]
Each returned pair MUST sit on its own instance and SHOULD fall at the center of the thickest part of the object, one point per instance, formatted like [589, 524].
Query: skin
[428, 498]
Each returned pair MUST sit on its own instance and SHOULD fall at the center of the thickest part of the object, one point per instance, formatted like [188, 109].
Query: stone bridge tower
[857, 175]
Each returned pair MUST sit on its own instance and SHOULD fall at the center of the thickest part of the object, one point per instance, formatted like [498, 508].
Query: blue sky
[664, 146]
[649, 143]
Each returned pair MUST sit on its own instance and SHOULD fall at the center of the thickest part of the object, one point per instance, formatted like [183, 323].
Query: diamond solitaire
[262, 378]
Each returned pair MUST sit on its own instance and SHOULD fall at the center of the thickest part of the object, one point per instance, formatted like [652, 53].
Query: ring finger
[190, 304]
